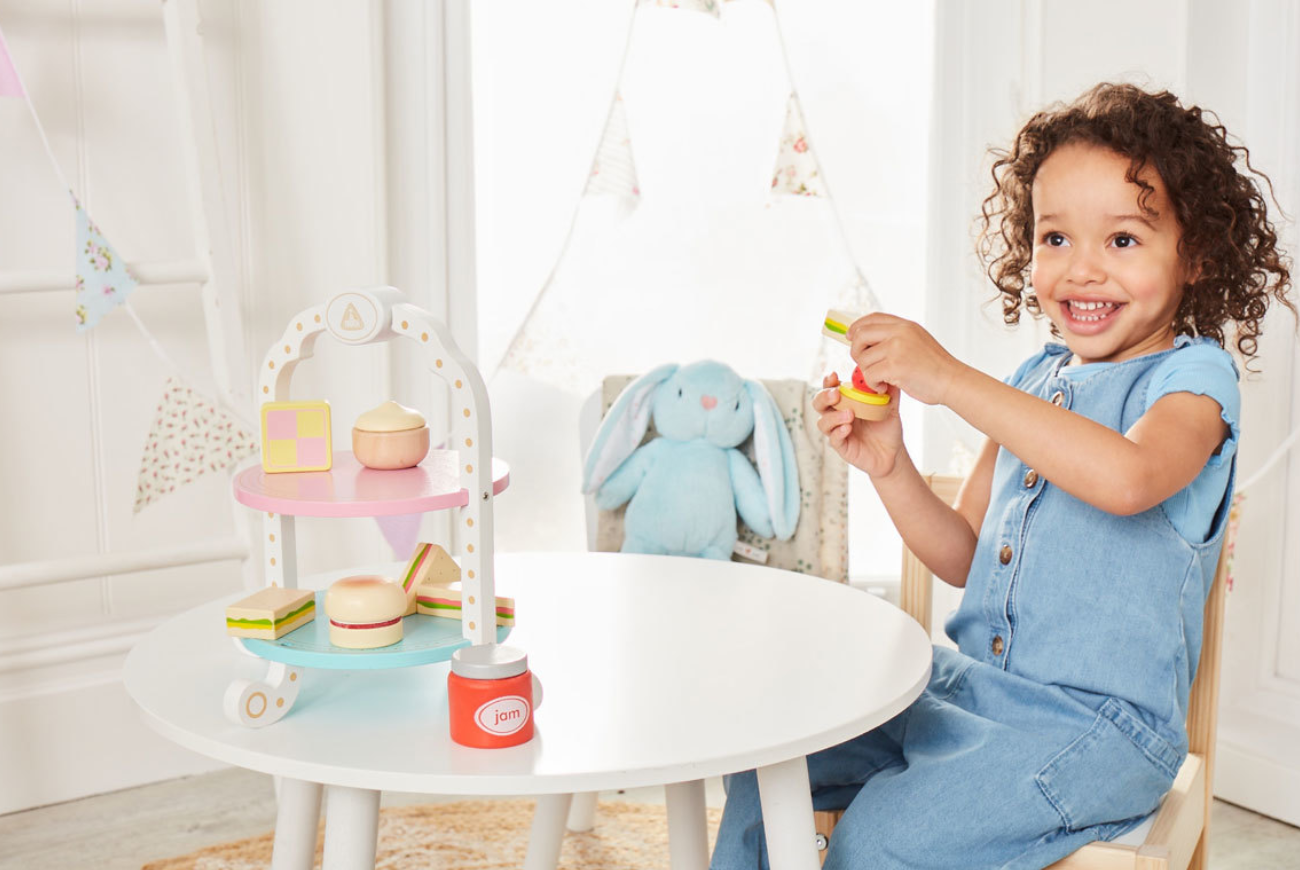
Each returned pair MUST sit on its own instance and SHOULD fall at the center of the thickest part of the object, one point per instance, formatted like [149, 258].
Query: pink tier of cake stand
[349, 489]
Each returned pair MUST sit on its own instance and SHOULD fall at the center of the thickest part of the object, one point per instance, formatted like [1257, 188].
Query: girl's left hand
[897, 352]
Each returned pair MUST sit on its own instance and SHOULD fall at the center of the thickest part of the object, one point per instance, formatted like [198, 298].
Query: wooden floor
[123, 830]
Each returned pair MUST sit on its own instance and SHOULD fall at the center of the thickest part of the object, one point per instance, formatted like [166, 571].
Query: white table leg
[296, 820]
[582, 812]
[351, 828]
[688, 828]
[786, 796]
[548, 831]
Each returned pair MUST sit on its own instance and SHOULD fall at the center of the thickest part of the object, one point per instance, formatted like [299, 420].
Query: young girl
[1087, 534]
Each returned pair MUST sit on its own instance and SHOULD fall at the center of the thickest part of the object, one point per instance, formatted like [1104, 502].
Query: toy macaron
[390, 436]
[858, 397]
[365, 612]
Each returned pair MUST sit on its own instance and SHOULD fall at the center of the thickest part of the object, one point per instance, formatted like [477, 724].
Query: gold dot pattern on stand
[293, 676]
[271, 364]
[405, 325]
[458, 384]
[266, 389]
[424, 336]
[469, 469]
[272, 561]
[261, 707]
[471, 599]
[465, 412]
[318, 318]
[469, 442]
[272, 539]
[279, 702]
[470, 522]
[438, 363]
[269, 514]
[471, 575]
[469, 548]
[299, 325]
[471, 626]
[287, 348]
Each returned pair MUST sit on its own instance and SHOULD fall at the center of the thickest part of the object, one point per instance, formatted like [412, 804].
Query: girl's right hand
[871, 445]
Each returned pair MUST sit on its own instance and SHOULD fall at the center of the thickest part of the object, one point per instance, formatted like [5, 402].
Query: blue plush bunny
[686, 486]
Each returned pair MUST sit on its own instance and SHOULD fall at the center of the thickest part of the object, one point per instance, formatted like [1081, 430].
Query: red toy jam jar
[490, 696]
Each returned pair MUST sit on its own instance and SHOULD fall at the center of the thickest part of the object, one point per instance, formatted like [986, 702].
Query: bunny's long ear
[774, 455]
[623, 427]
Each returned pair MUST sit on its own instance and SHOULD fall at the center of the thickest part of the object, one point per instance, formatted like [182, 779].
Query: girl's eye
[738, 404]
[1055, 240]
[1123, 240]
[679, 392]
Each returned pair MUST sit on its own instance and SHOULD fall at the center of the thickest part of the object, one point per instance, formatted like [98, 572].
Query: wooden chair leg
[1198, 861]
[824, 822]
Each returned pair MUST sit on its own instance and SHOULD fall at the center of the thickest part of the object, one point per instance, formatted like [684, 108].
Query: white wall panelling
[290, 149]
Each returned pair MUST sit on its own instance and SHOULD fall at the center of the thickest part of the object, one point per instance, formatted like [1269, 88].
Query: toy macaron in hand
[390, 436]
[365, 612]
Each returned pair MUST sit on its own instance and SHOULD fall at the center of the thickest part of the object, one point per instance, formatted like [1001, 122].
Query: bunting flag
[401, 531]
[1230, 539]
[613, 171]
[190, 437]
[10, 84]
[796, 172]
[103, 283]
[711, 7]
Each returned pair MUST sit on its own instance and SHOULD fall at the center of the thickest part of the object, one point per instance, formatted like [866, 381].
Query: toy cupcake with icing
[390, 436]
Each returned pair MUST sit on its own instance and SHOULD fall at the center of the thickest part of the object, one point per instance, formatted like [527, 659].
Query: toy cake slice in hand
[439, 600]
[271, 613]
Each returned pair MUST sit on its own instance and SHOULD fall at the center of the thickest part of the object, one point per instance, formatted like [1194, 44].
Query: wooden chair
[1176, 836]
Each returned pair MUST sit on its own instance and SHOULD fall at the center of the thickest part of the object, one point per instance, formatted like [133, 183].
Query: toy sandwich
[435, 600]
[858, 397]
[271, 613]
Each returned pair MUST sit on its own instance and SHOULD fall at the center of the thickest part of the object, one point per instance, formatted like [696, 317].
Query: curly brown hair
[1221, 212]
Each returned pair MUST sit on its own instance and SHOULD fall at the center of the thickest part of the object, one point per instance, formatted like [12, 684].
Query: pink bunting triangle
[10, 84]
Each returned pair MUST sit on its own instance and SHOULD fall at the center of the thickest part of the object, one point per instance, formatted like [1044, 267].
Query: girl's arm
[1118, 473]
[942, 537]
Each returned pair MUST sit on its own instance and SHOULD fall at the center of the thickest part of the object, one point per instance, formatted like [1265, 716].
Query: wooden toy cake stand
[463, 476]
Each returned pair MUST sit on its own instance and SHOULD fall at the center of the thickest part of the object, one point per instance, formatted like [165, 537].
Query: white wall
[298, 98]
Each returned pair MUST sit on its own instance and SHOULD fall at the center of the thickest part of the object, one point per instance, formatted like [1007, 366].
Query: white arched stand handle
[378, 314]
[258, 703]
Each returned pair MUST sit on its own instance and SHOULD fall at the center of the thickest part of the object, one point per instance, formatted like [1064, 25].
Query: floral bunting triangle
[710, 7]
[613, 172]
[103, 283]
[190, 437]
[796, 172]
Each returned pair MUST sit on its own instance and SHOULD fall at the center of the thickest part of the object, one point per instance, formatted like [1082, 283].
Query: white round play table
[656, 670]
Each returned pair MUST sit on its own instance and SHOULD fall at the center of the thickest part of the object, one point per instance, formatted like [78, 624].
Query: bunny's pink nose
[709, 402]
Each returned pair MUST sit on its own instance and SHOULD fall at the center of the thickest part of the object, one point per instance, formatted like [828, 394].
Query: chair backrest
[820, 542]
[1203, 703]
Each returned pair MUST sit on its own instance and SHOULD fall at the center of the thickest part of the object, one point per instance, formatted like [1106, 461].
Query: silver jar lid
[488, 661]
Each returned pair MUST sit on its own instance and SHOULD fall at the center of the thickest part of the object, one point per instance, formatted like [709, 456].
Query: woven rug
[477, 835]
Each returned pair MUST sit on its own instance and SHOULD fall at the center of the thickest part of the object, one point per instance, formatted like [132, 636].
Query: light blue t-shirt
[1203, 368]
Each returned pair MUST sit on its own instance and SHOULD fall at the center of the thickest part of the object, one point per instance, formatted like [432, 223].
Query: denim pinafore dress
[1060, 718]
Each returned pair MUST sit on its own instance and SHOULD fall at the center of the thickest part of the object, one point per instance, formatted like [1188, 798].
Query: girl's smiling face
[1106, 272]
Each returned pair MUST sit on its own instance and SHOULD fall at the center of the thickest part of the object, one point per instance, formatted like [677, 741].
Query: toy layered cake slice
[837, 324]
[271, 613]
